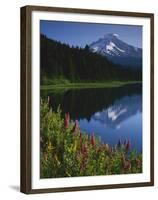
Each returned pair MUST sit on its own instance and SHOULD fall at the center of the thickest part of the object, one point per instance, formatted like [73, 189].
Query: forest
[62, 62]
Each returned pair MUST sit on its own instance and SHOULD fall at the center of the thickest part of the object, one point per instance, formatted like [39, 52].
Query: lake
[111, 113]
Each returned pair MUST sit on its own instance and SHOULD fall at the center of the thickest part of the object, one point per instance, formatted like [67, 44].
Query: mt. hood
[118, 51]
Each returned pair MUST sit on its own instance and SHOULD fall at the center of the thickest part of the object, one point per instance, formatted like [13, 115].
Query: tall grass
[65, 151]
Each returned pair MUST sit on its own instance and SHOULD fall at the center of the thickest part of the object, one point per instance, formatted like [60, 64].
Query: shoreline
[88, 85]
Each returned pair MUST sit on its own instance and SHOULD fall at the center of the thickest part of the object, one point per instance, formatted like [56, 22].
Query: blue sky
[80, 34]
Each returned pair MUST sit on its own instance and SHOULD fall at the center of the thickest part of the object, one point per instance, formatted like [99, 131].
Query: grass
[66, 151]
[68, 85]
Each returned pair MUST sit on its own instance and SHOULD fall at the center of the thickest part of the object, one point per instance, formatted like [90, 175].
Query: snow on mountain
[117, 50]
[120, 111]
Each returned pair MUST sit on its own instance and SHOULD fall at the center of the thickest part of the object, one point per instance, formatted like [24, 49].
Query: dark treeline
[79, 64]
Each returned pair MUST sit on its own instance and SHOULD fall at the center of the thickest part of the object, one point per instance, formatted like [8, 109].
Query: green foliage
[66, 152]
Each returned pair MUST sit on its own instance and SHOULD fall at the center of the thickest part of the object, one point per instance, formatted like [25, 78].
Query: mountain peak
[117, 50]
[111, 35]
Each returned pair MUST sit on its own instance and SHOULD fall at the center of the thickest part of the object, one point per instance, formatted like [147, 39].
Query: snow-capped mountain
[117, 51]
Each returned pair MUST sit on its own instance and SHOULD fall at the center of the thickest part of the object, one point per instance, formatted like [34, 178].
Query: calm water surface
[111, 113]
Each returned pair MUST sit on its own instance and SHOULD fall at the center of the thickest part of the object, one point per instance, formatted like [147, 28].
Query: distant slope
[118, 51]
[59, 60]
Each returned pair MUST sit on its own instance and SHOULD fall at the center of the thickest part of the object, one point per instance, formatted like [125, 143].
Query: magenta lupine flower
[128, 145]
[92, 139]
[75, 127]
[66, 120]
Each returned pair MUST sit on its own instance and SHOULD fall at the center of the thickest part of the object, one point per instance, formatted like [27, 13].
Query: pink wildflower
[92, 139]
[128, 145]
[66, 120]
[75, 127]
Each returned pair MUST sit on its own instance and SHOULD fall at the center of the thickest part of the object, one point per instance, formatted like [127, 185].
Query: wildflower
[93, 140]
[82, 167]
[126, 164]
[138, 163]
[84, 148]
[125, 142]
[128, 145]
[66, 120]
[107, 147]
[110, 151]
[87, 138]
[119, 144]
[80, 138]
[75, 127]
